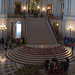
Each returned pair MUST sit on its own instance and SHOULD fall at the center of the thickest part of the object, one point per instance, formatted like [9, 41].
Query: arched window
[18, 30]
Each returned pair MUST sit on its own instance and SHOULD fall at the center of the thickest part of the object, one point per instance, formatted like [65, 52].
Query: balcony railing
[16, 16]
[55, 17]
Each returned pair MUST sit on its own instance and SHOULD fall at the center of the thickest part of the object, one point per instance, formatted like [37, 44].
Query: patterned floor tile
[7, 70]
[1, 72]
[9, 74]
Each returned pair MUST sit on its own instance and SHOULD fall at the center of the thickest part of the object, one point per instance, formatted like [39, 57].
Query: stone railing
[53, 30]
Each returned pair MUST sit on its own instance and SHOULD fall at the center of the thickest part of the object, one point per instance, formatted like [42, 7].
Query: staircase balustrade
[53, 30]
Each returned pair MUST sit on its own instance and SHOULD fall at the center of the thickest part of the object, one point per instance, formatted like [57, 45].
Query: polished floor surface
[8, 67]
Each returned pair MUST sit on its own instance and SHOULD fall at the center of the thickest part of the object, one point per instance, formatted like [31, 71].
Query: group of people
[35, 14]
[68, 40]
[55, 66]
[71, 40]
[9, 42]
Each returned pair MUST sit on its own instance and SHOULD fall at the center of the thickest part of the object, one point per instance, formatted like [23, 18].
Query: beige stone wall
[69, 17]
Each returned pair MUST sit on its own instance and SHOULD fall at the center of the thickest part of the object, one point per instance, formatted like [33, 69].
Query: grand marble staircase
[38, 32]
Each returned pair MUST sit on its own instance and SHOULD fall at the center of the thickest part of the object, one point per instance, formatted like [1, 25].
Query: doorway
[18, 7]
[55, 27]
[18, 29]
[49, 9]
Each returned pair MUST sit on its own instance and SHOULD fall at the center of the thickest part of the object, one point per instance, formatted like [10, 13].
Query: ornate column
[40, 6]
[27, 3]
[0, 6]
[14, 29]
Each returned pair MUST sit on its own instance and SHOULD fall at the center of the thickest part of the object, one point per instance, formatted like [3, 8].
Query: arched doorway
[18, 29]
[55, 27]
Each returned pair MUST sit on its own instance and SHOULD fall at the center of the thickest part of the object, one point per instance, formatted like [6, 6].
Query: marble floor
[8, 67]
[71, 70]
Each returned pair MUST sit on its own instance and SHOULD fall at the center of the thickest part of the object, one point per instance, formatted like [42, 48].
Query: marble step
[37, 56]
[28, 60]
[23, 54]
[56, 53]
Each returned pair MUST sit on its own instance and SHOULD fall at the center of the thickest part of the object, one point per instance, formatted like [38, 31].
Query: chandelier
[3, 27]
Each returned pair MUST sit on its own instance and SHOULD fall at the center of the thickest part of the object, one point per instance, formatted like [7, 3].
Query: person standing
[12, 39]
[7, 40]
[72, 40]
[17, 41]
[66, 42]
[5, 47]
[10, 44]
[46, 65]
[2, 40]
[6, 44]
[72, 47]
[21, 41]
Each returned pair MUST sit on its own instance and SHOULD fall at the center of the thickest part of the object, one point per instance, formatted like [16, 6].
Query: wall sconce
[43, 9]
[57, 24]
[24, 8]
[38, 7]
[48, 8]
[70, 28]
